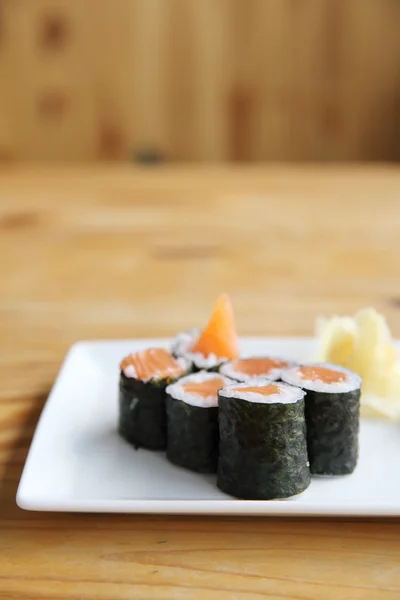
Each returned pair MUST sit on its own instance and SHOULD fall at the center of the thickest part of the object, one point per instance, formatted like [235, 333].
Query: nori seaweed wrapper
[193, 368]
[142, 416]
[263, 449]
[332, 431]
[196, 368]
[193, 435]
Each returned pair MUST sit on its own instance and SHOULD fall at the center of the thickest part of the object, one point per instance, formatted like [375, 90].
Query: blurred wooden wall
[200, 79]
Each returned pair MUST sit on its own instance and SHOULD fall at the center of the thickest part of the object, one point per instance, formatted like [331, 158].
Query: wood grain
[211, 80]
[119, 252]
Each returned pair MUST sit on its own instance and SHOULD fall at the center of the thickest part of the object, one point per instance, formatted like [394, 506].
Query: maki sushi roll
[263, 447]
[243, 369]
[332, 407]
[216, 344]
[143, 379]
[192, 417]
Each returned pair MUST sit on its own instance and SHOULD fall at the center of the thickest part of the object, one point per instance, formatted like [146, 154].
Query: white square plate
[78, 462]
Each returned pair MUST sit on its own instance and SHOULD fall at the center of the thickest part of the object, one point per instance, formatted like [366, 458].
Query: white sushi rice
[351, 380]
[231, 369]
[288, 394]
[176, 390]
[184, 342]
[131, 373]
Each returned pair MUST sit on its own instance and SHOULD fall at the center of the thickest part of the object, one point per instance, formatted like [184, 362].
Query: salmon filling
[204, 389]
[259, 366]
[265, 390]
[322, 374]
[153, 363]
[219, 337]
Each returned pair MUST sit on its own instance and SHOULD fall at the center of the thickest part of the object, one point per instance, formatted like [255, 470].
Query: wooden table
[90, 252]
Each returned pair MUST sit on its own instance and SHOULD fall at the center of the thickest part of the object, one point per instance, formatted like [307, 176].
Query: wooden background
[200, 79]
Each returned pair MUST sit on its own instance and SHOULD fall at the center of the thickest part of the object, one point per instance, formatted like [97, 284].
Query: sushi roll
[213, 346]
[332, 406]
[243, 369]
[143, 379]
[263, 447]
[192, 418]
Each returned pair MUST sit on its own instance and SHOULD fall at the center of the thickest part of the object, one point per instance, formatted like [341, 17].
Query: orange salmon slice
[204, 388]
[153, 362]
[220, 337]
[322, 374]
[264, 390]
[259, 366]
